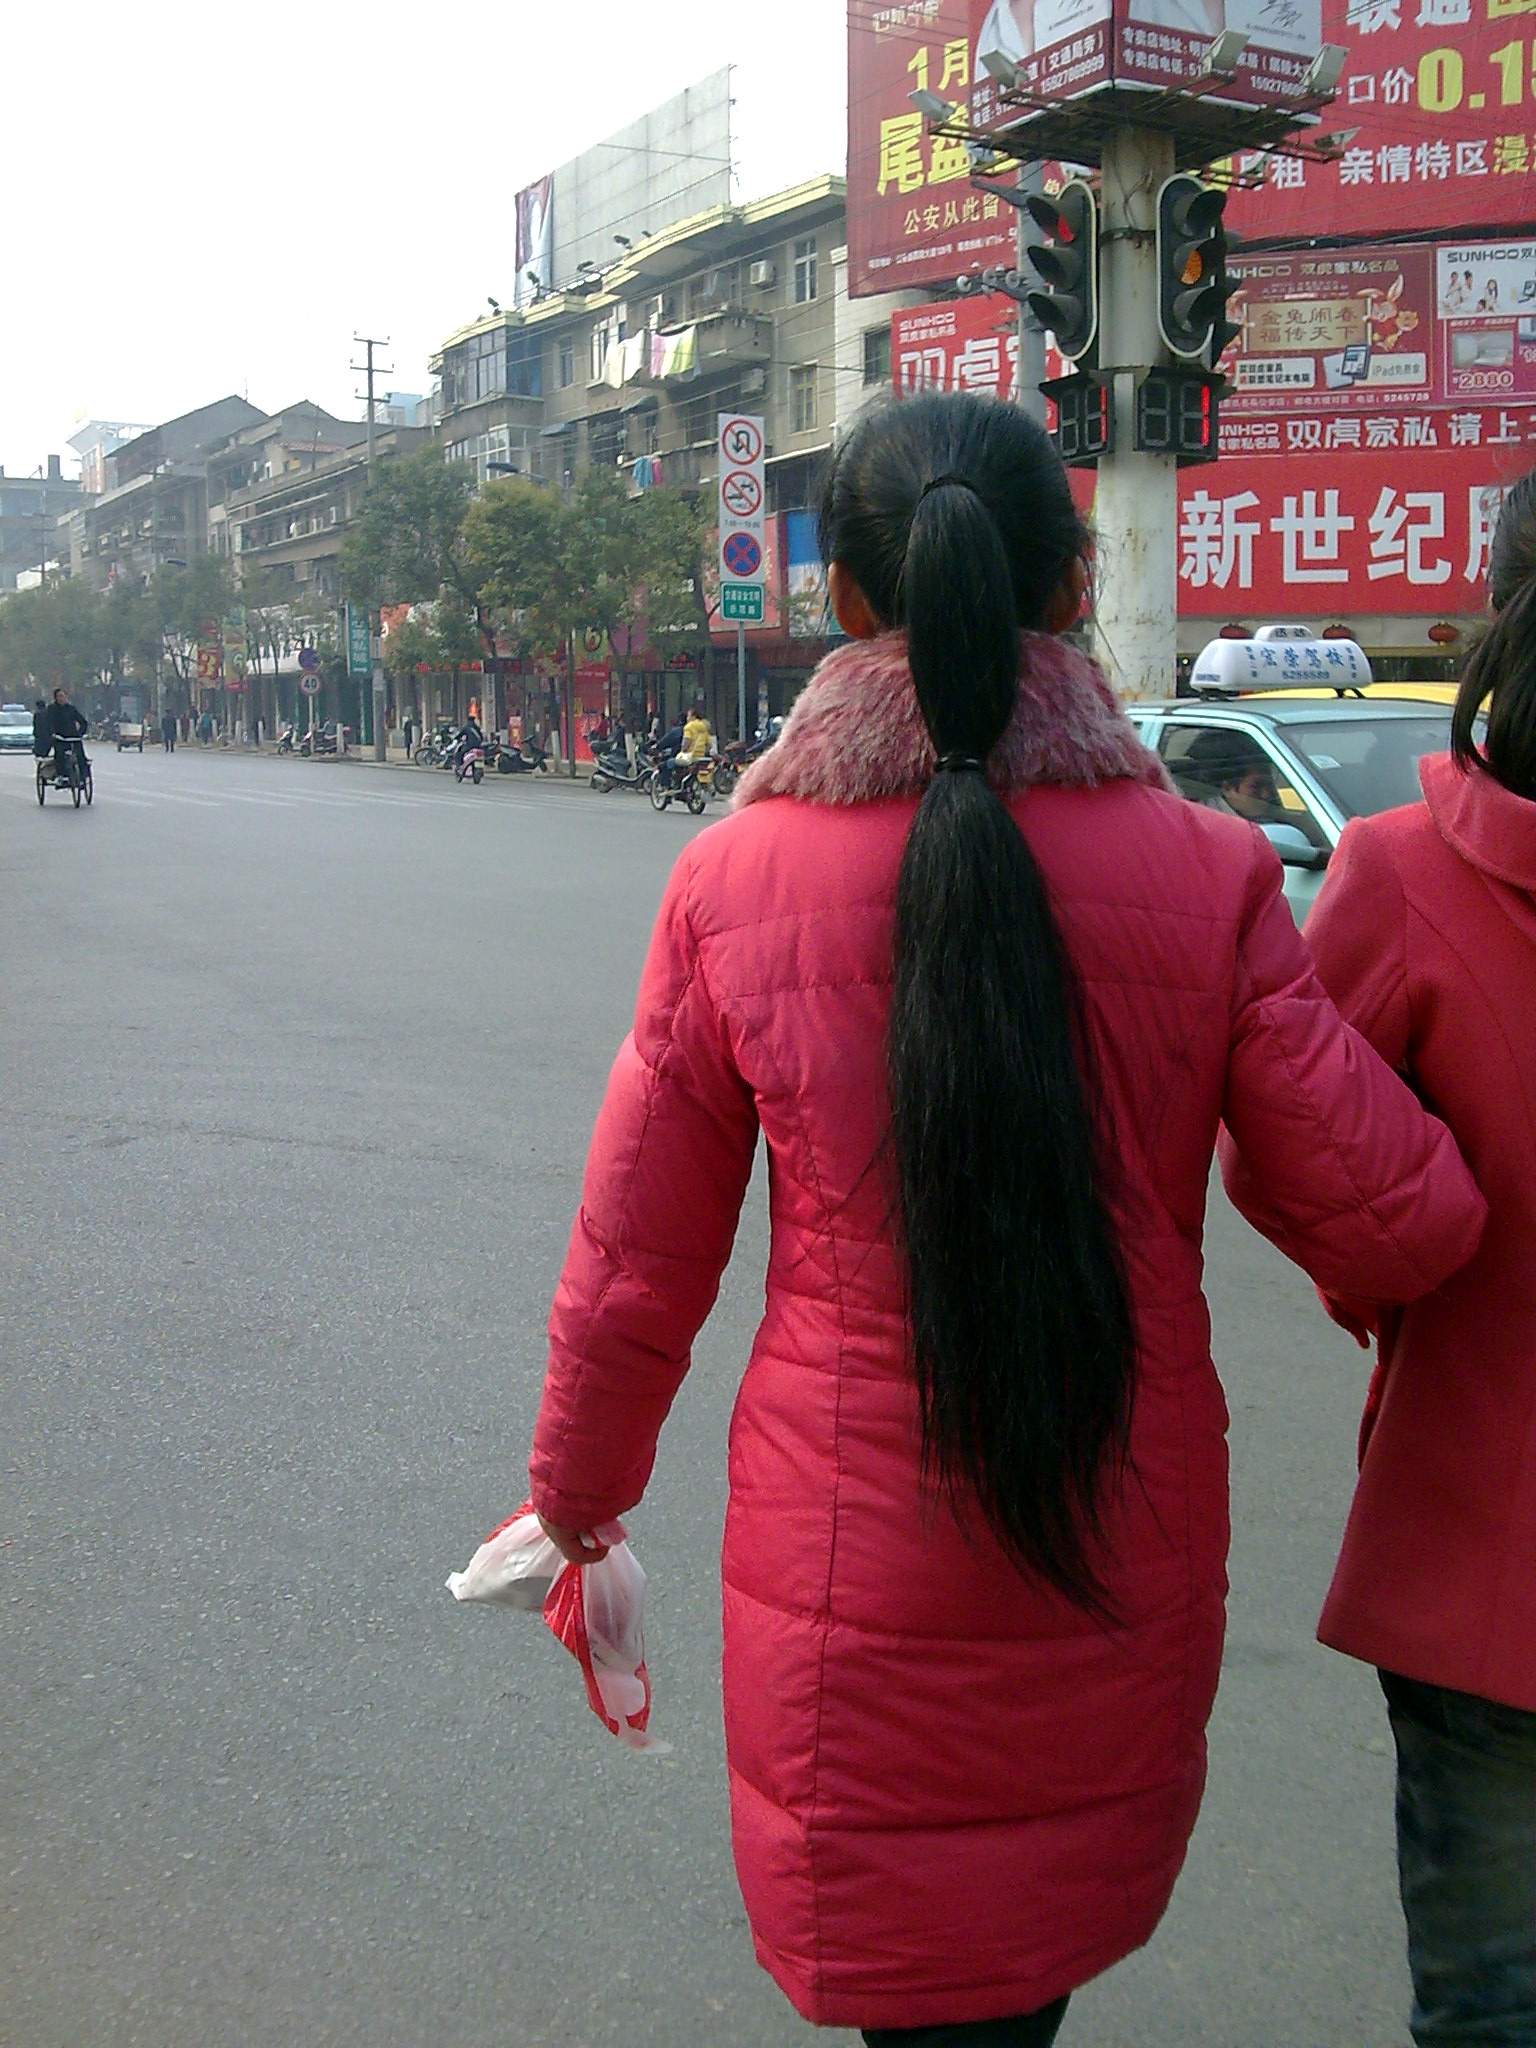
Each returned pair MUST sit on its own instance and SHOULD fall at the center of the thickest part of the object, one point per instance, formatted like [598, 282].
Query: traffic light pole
[1031, 334]
[1135, 618]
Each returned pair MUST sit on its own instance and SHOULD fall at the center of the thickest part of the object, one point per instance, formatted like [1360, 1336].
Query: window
[805, 269]
[877, 355]
[600, 341]
[1227, 768]
[567, 363]
[525, 366]
[802, 398]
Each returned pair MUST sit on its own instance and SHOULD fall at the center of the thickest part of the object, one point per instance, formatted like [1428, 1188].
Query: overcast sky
[204, 199]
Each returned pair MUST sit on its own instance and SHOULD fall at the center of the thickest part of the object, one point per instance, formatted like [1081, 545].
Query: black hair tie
[938, 482]
[960, 764]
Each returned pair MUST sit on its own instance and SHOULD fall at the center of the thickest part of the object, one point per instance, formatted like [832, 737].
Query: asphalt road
[300, 1064]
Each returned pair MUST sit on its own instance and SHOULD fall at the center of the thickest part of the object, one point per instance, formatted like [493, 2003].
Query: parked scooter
[470, 764]
[612, 770]
[287, 739]
[527, 759]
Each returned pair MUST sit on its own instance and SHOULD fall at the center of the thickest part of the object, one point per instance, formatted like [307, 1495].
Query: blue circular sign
[309, 661]
[741, 554]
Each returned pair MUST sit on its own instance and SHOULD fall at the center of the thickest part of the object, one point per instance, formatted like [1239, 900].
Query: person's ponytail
[1020, 1318]
[1500, 674]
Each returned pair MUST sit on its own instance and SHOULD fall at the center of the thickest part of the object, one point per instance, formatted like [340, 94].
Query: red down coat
[1426, 934]
[954, 1797]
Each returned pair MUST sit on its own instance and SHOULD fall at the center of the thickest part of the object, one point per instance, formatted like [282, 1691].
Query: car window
[1231, 770]
[1370, 765]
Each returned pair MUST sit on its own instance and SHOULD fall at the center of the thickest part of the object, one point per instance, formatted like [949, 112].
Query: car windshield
[1371, 764]
[15, 721]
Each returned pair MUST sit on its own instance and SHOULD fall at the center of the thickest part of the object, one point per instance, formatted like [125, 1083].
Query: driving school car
[1311, 762]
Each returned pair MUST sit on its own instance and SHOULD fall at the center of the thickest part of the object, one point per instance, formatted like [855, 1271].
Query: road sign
[742, 489]
[742, 603]
[309, 661]
[359, 649]
[742, 553]
[310, 685]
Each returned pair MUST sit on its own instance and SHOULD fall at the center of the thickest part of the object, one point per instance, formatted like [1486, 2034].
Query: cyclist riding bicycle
[68, 728]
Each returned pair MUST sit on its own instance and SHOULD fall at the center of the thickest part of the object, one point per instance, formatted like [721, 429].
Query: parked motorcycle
[612, 770]
[527, 759]
[437, 752]
[287, 739]
[470, 765]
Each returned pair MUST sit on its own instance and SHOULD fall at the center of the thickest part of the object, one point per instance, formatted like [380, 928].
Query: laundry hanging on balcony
[675, 357]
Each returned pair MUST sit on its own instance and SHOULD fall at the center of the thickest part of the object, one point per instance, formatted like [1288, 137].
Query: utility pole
[369, 343]
[1136, 514]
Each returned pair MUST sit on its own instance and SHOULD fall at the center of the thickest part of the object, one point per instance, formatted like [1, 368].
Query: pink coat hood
[953, 1795]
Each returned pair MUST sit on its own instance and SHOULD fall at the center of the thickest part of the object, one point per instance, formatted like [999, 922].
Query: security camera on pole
[1132, 268]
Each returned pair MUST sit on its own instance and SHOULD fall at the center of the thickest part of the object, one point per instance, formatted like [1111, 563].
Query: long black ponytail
[1500, 675]
[953, 516]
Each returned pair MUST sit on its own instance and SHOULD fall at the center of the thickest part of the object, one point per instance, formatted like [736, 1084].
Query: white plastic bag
[596, 1610]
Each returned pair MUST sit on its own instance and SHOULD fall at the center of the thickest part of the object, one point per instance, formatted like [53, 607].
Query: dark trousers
[62, 749]
[168, 738]
[1466, 1844]
[1030, 2030]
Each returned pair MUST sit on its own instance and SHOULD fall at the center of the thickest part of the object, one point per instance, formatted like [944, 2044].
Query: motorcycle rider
[468, 737]
[668, 747]
[68, 727]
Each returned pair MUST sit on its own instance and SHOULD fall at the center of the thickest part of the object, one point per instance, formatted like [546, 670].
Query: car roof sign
[1278, 659]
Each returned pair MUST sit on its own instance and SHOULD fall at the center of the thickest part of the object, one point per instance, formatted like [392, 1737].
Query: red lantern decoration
[1337, 633]
[1444, 634]
[1234, 632]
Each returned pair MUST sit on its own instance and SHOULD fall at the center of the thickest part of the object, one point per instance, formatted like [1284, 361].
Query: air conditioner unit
[763, 276]
[754, 382]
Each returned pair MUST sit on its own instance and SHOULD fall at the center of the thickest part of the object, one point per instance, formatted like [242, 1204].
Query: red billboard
[913, 218]
[1443, 95]
[1315, 535]
[1356, 330]
[969, 344]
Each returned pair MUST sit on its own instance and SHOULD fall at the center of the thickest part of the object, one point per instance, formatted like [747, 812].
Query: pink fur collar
[856, 735]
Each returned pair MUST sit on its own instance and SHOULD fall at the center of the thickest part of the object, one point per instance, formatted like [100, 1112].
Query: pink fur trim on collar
[856, 735]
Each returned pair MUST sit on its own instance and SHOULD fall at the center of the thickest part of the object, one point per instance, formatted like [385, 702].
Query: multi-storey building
[155, 507]
[31, 508]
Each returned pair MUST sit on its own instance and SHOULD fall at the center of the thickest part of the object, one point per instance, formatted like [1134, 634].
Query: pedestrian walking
[205, 730]
[985, 987]
[168, 731]
[1426, 934]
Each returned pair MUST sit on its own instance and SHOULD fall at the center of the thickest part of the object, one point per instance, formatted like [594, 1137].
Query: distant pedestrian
[408, 734]
[985, 987]
[1425, 933]
[205, 729]
[168, 731]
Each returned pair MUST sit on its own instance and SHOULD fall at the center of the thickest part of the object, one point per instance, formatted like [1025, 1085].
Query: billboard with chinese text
[1260, 540]
[1443, 96]
[1349, 330]
[969, 344]
[1068, 48]
[913, 219]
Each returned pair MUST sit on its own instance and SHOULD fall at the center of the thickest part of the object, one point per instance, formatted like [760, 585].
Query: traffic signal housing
[1068, 265]
[1193, 279]
[1178, 413]
[1081, 418]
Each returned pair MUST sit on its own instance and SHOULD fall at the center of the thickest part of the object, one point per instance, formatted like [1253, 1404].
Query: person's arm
[668, 1167]
[1327, 1152]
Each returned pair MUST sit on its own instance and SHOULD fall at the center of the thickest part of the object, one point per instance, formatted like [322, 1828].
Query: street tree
[407, 544]
[187, 601]
[53, 635]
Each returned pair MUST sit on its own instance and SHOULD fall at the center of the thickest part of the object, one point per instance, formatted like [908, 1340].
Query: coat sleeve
[1327, 1152]
[666, 1173]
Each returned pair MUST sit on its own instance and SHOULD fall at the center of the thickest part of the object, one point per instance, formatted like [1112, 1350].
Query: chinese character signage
[913, 218]
[1443, 96]
[969, 344]
[1349, 331]
[1068, 48]
[1262, 540]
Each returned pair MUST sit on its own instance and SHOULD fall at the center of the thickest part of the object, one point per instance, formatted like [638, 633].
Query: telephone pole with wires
[370, 369]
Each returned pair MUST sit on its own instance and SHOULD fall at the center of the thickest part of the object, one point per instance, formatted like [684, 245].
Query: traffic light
[1068, 263]
[1082, 419]
[1178, 412]
[1193, 282]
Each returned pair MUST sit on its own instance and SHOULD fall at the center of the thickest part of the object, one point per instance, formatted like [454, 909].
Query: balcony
[733, 340]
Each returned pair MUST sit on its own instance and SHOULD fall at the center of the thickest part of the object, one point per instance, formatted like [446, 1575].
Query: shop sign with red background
[1353, 329]
[1443, 93]
[1262, 540]
[913, 218]
[969, 344]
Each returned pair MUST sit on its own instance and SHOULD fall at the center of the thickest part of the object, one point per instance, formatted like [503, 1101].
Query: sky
[204, 200]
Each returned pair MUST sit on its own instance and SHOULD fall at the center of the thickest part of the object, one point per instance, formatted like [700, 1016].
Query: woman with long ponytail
[985, 989]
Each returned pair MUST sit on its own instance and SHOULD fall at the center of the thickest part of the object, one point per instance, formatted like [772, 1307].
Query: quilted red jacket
[954, 1796]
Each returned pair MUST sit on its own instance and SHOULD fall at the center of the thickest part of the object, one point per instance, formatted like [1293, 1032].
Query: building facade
[31, 508]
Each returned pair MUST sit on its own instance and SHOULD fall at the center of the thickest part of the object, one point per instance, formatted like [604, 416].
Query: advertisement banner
[1353, 330]
[1069, 48]
[1441, 93]
[534, 240]
[969, 344]
[1260, 541]
[913, 218]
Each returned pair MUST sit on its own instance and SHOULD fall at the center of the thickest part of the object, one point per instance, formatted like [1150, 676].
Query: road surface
[301, 1059]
